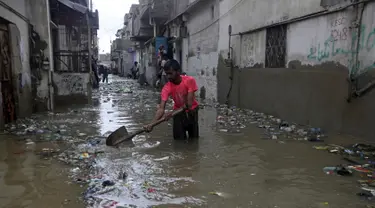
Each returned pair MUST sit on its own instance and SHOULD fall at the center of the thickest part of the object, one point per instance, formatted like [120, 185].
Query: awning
[75, 6]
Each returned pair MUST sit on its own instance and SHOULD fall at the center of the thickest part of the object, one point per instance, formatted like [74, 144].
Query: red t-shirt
[179, 92]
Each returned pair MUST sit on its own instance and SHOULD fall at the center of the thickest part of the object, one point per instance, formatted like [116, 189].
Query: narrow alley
[234, 163]
[284, 92]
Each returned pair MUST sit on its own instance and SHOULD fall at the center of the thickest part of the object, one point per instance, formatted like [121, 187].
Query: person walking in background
[105, 74]
[135, 70]
[94, 68]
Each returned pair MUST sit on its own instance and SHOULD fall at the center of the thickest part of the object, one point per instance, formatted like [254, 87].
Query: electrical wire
[222, 16]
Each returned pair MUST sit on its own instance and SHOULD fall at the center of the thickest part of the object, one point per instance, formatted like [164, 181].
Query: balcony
[160, 10]
[142, 30]
[121, 45]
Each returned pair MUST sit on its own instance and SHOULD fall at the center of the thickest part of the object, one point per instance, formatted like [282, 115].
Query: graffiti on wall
[69, 84]
[342, 42]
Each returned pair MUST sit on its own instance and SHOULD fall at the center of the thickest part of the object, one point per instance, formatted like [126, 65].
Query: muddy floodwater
[59, 160]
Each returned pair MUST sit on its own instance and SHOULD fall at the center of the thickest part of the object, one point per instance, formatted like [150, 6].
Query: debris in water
[221, 194]
[161, 159]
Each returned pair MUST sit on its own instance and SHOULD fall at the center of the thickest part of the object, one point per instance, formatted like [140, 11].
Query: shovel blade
[116, 136]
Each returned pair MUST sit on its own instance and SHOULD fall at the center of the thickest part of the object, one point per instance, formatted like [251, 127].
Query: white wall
[326, 38]
[185, 53]
[330, 38]
[245, 15]
[203, 44]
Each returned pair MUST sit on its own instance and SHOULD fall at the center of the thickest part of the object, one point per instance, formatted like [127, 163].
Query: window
[276, 47]
[212, 12]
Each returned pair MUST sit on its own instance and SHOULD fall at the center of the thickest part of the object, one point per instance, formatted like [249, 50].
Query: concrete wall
[203, 29]
[315, 97]
[37, 13]
[19, 36]
[333, 38]
[71, 88]
[312, 89]
[251, 14]
[150, 65]
[127, 62]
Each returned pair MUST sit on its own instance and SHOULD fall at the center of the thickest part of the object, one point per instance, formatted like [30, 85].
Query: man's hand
[148, 128]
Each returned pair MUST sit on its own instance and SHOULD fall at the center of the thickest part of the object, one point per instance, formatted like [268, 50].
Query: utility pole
[91, 9]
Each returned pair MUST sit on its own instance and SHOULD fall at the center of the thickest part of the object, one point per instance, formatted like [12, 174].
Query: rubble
[233, 120]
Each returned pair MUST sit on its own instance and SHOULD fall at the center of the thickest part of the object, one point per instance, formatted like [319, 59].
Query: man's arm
[192, 88]
[160, 111]
[164, 98]
[161, 108]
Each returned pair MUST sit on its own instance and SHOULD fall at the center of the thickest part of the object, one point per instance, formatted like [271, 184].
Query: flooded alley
[241, 160]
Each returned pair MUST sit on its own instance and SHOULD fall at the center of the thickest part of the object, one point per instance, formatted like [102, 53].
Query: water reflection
[14, 180]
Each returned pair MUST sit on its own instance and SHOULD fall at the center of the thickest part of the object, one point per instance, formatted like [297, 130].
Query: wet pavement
[243, 159]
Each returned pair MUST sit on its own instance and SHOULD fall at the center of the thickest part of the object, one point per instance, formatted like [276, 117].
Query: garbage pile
[361, 163]
[123, 178]
[232, 120]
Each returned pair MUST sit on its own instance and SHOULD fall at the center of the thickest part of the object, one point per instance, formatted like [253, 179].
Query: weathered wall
[315, 97]
[37, 14]
[127, 63]
[252, 49]
[71, 88]
[19, 35]
[251, 14]
[333, 38]
[203, 29]
[313, 88]
[150, 63]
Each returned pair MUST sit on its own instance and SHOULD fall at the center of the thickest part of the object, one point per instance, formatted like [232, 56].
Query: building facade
[16, 86]
[144, 25]
[36, 68]
[310, 62]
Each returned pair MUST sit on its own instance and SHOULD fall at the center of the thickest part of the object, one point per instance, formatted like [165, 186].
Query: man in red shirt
[182, 90]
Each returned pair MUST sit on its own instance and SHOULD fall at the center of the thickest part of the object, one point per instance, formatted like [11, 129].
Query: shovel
[121, 134]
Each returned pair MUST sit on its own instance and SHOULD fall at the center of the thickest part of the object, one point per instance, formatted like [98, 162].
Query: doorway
[8, 101]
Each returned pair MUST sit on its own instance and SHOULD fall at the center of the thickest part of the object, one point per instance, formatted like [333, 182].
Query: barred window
[276, 46]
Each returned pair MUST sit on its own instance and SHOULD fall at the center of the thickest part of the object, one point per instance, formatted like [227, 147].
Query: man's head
[173, 70]
[135, 63]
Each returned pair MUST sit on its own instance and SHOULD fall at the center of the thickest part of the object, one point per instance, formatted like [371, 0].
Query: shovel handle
[152, 124]
[164, 119]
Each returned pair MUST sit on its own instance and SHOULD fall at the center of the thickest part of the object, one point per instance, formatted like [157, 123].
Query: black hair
[135, 62]
[172, 64]
[165, 57]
